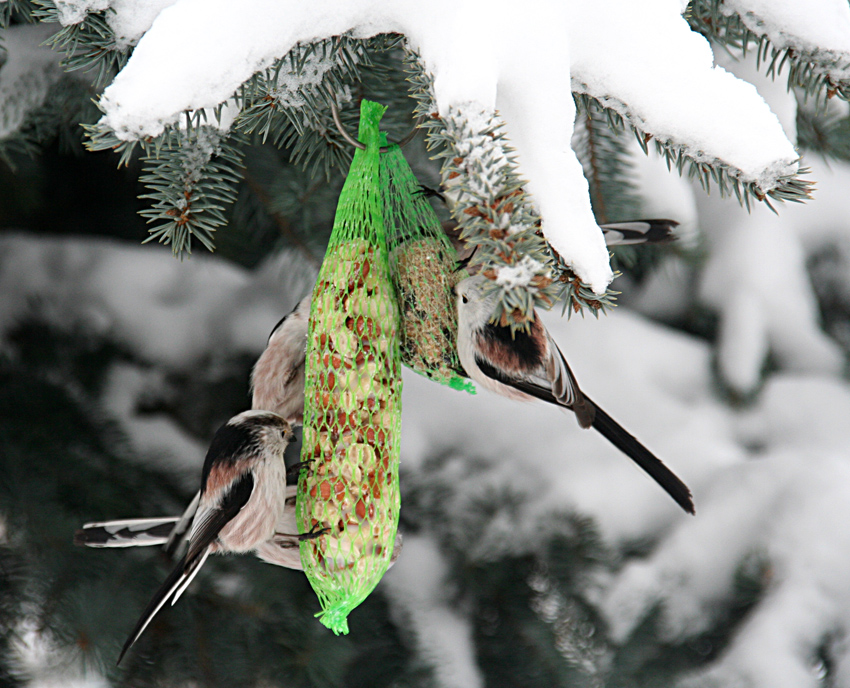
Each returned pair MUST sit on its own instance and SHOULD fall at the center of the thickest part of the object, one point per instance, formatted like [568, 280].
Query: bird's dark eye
[463, 298]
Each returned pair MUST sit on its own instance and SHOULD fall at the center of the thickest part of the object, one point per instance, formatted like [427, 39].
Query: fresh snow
[627, 64]
[74, 11]
[196, 53]
[820, 28]
[518, 275]
[130, 18]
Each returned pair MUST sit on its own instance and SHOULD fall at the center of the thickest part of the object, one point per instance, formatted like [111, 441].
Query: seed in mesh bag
[357, 379]
[424, 276]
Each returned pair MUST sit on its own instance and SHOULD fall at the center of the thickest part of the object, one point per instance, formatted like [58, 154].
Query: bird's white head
[476, 301]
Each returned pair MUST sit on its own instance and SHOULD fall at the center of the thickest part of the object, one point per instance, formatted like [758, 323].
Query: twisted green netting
[352, 402]
[422, 266]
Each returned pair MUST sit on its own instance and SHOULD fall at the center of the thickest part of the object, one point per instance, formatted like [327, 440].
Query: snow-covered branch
[196, 54]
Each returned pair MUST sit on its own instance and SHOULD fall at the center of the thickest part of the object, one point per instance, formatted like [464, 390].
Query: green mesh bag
[422, 266]
[352, 399]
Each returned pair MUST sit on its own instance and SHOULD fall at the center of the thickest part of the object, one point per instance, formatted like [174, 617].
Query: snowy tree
[533, 555]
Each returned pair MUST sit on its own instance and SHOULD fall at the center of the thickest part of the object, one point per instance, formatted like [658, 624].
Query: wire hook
[362, 146]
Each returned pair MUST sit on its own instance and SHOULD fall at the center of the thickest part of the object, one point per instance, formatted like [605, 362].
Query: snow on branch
[788, 187]
[198, 53]
[693, 109]
[191, 180]
[811, 39]
[89, 46]
[487, 198]
[289, 102]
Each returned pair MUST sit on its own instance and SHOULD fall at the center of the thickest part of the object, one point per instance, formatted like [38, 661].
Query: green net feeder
[352, 402]
[423, 269]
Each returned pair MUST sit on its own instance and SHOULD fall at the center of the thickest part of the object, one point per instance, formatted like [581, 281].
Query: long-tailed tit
[171, 532]
[277, 380]
[529, 365]
[241, 502]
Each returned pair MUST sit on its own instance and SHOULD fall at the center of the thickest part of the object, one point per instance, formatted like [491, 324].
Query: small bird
[529, 365]
[277, 381]
[171, 531]
[241, 502]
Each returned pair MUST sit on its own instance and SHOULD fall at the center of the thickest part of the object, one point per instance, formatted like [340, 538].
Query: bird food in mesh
[352, 412]
[423, 269]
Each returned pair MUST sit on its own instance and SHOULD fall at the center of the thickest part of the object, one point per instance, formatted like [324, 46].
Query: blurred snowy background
[534, 553]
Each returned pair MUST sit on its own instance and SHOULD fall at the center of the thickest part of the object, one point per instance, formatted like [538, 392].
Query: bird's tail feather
[639, 232]
[631, 447]
[174, 584]
[133, 532]
[190, 576]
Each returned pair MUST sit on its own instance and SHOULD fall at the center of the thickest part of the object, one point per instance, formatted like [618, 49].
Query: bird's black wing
[531, 388]
[536, 386]
[535, 363]
[612, 431]
[209, 522]
[177, 539]
[207, 526]
[564, 384]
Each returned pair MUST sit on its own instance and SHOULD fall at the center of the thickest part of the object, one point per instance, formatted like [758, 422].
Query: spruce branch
[192, 176]
[284, 226]
[705, 169]
[89, 45]
[100, 137]
[817, 72]
[608, 168]
[610, 172]
[290, 101]
[21, 9]
[493, 212]
[826, 133]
